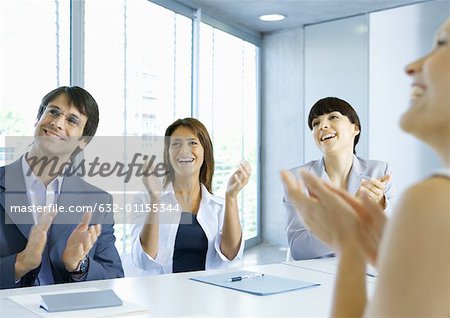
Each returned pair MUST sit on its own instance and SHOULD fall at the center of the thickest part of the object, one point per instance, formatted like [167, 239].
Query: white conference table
[175, 295]
[329, 266]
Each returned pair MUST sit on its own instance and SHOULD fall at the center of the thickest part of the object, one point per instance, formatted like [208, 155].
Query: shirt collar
[206, 195]
[55, 184]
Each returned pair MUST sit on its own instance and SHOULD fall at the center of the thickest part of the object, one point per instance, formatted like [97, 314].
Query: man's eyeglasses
[54, 112]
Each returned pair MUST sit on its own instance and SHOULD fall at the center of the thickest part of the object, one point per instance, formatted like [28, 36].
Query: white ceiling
[245, 13]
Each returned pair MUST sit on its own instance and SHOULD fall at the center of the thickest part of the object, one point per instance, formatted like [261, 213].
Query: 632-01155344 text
[102, 208]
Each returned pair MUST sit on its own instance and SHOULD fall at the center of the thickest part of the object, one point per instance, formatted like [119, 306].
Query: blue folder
[261, 286]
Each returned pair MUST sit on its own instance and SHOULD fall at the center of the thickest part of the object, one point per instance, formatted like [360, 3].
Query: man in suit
[41, 244]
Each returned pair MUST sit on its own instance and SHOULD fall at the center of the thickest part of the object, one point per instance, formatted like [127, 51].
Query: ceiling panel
[245, 13]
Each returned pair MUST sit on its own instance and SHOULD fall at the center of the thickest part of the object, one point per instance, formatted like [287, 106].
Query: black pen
[239, 278]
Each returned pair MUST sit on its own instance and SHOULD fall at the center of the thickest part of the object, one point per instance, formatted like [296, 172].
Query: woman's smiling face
[333, 132]
[186, 152]
[429, 112]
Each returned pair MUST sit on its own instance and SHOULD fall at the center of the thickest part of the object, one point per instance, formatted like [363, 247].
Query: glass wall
[136, 59]
[228, 107]
[34, 59]
[138, 67]
[336, 64]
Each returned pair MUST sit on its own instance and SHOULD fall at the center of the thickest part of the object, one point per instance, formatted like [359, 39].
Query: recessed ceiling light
[272, 17]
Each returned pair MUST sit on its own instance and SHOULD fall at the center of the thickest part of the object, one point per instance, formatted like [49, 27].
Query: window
[228, 108]
[138, 67]
[137, 63]
[34, 59]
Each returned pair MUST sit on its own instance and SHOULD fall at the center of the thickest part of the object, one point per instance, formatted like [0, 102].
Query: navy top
[191, 245]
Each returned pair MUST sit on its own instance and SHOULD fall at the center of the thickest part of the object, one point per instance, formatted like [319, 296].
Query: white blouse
[210, 216]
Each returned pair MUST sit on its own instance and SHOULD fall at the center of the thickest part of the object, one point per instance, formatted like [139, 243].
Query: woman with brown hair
[207, 233]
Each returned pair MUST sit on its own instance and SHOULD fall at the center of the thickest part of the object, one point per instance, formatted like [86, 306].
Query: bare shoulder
[414, 257]
[424, 209]
[426, 198]
[436, 184]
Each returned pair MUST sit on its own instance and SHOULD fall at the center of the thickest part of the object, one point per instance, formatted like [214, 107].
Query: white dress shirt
[302, 243]
[38, 193]
[210, 217]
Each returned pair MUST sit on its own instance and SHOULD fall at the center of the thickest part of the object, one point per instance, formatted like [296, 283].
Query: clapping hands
[80, 242]
[238, 179]
[151, 181]
[31, 257]
[335, 217]
[374, 190]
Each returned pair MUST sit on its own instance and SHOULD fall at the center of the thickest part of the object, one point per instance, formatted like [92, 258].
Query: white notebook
[81, 300]
[33, 301]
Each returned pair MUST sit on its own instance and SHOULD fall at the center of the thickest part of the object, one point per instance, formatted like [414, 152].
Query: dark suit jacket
[104, 261]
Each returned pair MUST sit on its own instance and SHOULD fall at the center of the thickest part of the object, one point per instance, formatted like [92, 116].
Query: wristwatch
[82, 267]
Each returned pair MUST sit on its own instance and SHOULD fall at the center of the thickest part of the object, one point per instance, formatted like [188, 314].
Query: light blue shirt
[38, 194]
[302, 243]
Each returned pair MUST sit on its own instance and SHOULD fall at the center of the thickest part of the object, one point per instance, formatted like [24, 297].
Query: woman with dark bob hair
[207, 233]
[336, 129]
